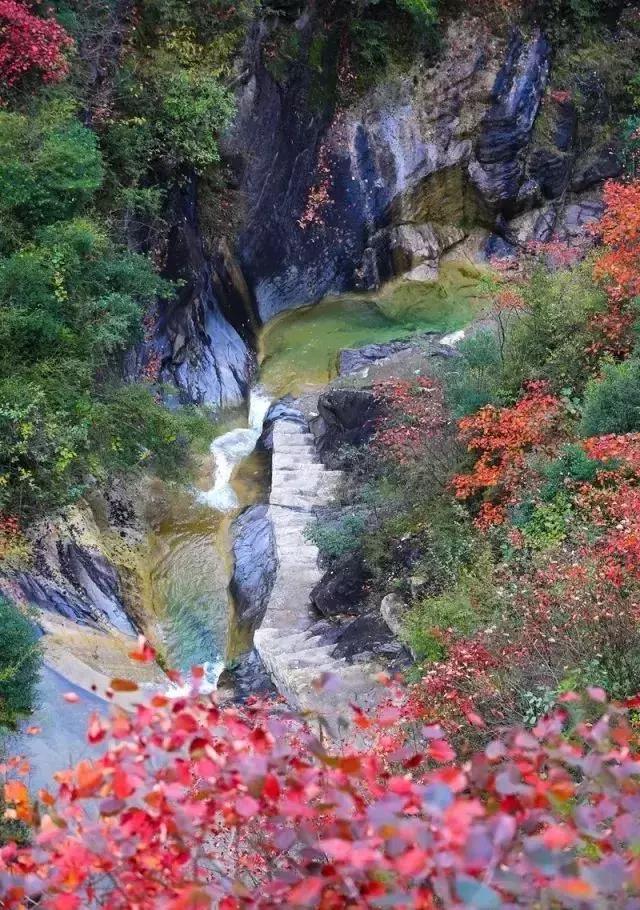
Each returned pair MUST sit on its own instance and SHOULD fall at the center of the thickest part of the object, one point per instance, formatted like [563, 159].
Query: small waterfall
[228, 451]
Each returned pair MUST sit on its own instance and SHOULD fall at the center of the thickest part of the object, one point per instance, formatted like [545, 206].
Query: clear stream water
[189, 562]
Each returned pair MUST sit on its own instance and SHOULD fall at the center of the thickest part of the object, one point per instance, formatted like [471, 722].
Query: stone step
[292, 439]
[297, 501]
[289, 427]
[293, 654]
[298, 551]
[291, 463]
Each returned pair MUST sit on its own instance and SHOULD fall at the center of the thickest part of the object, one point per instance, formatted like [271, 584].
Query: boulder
[576, 217]
[368, 634]
[356, 360]
[342, 589]
[345, 417]
[280, 410]
[255, 563]
[596, 167]
[413, 245]
[393, 611]
[246, 677]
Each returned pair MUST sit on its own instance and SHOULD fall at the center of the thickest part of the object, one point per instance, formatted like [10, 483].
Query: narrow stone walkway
[293, 655]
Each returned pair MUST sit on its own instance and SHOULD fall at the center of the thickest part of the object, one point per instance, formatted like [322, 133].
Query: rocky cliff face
[84, 565]
[334, 202]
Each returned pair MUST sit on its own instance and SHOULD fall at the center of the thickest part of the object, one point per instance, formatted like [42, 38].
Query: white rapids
[230, 449]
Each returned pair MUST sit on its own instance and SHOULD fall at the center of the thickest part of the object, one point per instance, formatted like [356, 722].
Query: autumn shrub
[499, 440]
[30, 46]
[612, 402]
[189, 804]
[20, 658]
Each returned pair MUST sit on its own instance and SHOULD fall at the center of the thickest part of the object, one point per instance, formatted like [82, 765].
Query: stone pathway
[293, 655]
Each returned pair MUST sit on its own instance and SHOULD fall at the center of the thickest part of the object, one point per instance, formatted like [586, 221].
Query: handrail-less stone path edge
[294, 656]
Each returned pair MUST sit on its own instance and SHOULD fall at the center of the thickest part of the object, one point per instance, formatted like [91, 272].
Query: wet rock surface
[246, 678]
[356, 360]
[204, 336]
[73, 574]
[255, 564]
[499, 166]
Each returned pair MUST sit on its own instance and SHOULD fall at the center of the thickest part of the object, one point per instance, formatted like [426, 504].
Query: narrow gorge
[350, 237]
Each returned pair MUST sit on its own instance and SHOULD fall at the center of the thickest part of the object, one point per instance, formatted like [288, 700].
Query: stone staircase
[294, 656]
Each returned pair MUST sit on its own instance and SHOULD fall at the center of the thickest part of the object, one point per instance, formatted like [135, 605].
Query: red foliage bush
[191, 805]
[620, 232]
[500, 438]
[29, 44]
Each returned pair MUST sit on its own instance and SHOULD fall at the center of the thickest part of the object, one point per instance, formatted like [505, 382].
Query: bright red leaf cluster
[191, 805]
[30, 45]
[620, 232]
[500, 439]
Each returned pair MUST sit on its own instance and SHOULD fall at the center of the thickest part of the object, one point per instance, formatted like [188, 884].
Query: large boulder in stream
[255, 564]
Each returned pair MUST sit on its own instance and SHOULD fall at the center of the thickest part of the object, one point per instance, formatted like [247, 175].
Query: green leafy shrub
[423, 12]
[612, 402]
[337, 537]
[193, 110]
[552, 340]
[130, 429]
[473, 380]
[572, 466]
[547, 524]
[460, 609]
[49, 169]
[40, 450]
[20, 659]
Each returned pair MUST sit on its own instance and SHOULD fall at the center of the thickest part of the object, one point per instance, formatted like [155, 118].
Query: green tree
[552, 338]
[612, 402]
[20, 659]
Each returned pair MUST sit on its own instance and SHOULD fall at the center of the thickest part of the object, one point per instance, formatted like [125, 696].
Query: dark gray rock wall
[346, 417]
[205, 332]
[325, 197]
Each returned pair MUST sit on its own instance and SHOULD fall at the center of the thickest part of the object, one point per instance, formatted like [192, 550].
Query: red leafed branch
[500, 438]
[30, 45]
[192, 805]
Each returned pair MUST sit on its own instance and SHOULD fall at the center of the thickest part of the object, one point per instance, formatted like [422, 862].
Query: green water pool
[299, 349]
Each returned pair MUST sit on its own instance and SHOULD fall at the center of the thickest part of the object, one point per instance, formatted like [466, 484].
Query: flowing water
[189, 563]
[189, 548]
